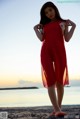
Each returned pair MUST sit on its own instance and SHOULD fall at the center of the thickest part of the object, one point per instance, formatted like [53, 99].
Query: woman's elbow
[67, 39]
[41, 39]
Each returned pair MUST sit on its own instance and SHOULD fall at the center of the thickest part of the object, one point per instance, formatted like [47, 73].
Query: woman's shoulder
[62, 25]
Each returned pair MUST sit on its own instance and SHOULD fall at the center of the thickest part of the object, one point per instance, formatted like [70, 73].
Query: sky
[20, 47]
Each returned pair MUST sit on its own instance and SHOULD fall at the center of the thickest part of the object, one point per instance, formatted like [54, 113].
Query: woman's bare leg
[60, 93]
[52, 95]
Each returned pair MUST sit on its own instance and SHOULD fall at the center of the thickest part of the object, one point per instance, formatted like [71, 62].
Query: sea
[37, 97]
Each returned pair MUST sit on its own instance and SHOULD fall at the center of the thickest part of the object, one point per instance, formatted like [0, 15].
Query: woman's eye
[50, 10]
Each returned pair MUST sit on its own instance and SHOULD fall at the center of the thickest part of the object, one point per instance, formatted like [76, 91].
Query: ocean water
[36, 97]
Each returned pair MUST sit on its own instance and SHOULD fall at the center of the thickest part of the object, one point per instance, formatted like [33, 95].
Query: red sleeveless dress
[53, 56]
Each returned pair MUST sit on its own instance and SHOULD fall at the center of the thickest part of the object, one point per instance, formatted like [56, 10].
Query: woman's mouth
[51, 16]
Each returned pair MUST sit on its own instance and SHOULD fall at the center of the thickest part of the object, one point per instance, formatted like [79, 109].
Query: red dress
[53, 56]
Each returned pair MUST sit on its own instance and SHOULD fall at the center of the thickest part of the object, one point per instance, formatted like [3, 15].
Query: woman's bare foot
[60, 114]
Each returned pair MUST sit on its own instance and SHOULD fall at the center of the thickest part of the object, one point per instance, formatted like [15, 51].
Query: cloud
[24, 83]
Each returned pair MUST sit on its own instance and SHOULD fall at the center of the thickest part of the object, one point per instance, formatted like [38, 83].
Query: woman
[52, 31]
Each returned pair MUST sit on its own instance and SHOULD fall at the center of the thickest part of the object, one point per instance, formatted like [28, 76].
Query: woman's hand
[70, 23]
[38, 26]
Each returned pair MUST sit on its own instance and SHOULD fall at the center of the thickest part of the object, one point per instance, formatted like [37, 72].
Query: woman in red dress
[52, 31]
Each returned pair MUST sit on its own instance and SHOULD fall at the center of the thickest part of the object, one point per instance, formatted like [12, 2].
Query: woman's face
[50, 13]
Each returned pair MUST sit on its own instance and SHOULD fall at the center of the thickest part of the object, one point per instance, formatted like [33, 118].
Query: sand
[41, 112]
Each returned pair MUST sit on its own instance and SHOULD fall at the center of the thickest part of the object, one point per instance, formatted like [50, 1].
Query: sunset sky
[19, 46]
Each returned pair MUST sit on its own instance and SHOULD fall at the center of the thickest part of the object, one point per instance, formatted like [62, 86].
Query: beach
[40, 112]
[35, 104]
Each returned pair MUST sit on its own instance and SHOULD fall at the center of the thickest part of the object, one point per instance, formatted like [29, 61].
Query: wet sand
[41, 112]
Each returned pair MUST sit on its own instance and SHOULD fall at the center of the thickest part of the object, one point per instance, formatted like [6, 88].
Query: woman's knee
[58, 85]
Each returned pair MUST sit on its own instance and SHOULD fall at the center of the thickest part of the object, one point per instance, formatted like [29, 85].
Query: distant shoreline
[16, 88]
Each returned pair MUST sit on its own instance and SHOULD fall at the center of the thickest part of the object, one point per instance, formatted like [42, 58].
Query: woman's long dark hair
[44, 20]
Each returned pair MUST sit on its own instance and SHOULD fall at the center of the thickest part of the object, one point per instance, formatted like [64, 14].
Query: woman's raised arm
[68, 34]
[39, 31]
